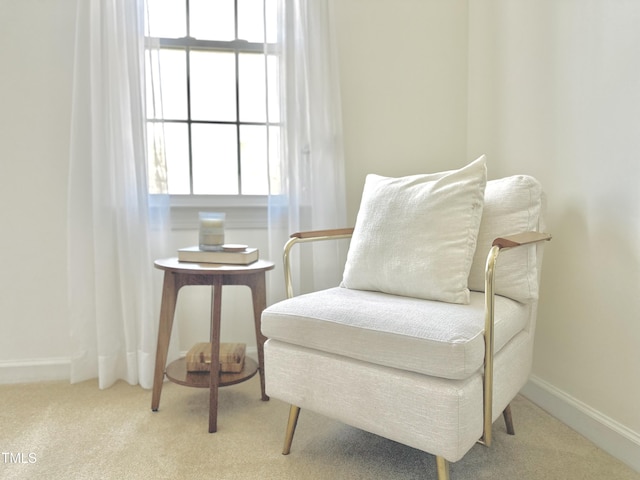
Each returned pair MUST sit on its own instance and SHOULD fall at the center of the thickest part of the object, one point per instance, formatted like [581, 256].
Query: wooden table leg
[214, 377]
[259, 297]
[167, 310]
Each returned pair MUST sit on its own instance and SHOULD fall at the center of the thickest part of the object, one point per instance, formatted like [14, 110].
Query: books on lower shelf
[231, 357]
[195, 255]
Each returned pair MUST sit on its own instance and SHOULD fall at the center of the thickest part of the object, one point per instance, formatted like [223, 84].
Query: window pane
[253, 155]
[217, 92]
[273, 88]
[167, 18]
[176, 141]
[271, 14]
[215, 159]
[253, 100]
[275, 183]
[152, 76]
[156, 160]
[173, 81]
[213, 86]
[251, 20]
[212, 20]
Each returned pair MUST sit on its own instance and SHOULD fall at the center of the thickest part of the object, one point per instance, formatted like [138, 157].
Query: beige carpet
[62, 431]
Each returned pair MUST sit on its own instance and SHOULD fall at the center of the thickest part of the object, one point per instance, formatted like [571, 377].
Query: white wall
[403, 67]
[36, 48]
[555, 92]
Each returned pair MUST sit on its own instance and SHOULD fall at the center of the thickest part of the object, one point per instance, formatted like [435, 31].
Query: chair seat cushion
[430, 337]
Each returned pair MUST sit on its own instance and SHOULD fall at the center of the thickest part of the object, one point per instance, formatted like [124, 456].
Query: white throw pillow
[415, 236]
[511, 205]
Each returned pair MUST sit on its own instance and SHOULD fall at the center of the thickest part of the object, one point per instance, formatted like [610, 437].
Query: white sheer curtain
[112, 300]
[312, 158]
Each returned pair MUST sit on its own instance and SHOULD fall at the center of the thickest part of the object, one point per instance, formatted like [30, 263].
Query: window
[218, 84]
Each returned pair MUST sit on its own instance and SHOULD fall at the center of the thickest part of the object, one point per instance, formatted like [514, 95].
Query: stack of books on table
[232, 255]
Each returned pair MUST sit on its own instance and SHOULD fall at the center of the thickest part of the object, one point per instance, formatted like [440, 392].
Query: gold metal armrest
[323, 234]
[518, 239]
[308, 236]
[499, 244]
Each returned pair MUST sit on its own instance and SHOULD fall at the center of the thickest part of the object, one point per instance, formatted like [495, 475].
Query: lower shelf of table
[177, 373]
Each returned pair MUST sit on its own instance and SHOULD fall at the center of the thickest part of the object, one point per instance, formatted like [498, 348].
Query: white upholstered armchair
[430, 335]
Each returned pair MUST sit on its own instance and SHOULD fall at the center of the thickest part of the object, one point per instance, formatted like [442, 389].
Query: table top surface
[172, 264]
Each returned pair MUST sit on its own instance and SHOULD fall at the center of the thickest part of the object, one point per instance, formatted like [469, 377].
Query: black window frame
[237, 47]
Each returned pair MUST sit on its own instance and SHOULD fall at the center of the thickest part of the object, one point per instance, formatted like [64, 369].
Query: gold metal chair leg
[443, 468]
[291, 428]
[508, 420]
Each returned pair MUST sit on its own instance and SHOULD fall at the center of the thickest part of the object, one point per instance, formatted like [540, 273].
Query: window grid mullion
[238, 143]
[189, 122]
[237, 46]
[237, 73]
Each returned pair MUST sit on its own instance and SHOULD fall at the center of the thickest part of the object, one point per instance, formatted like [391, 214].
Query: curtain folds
[115, 229]
[112, 299]
[312, 159]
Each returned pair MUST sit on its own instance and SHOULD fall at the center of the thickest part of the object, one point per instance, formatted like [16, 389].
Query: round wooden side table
[179, 274]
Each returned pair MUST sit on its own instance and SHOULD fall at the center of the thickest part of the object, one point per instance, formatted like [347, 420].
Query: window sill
[242, 211]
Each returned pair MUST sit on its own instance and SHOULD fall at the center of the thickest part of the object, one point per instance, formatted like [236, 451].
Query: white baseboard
[34, 370]
[609, 435]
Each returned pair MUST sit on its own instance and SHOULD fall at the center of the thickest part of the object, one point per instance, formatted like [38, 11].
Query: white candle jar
[211, 231]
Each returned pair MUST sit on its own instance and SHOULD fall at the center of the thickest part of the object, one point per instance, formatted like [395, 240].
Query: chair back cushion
[511, 205]
[415, 236]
